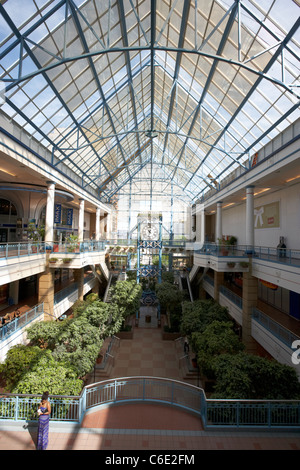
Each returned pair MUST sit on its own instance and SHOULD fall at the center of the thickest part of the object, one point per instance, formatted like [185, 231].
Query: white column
[97, 229]
[250, 217]
[108, 226]
[81, 220]
[102, 224]
[219, 222]
[200, 223]
[49, 223]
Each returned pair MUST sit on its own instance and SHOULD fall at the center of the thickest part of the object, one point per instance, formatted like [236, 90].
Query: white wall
[234, 219]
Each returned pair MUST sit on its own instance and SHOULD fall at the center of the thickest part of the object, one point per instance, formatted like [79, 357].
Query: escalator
[113, 278]
[185, 285]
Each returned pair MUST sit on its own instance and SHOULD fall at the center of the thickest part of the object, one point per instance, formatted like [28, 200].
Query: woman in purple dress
[44, 411]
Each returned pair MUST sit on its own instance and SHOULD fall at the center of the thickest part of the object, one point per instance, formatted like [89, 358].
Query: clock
[149, 232]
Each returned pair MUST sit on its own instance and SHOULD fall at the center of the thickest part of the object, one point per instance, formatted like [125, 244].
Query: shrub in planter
[231, 265]
[244, 264]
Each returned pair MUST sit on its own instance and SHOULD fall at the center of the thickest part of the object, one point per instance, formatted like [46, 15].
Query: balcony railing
[277, 255]
[236, 299]
[214, 413]
[12, 250]
[70, 290]
[10, 328]
[280, 332]
[80, 247]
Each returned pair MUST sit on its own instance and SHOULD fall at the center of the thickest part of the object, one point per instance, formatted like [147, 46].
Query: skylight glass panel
[105, 101]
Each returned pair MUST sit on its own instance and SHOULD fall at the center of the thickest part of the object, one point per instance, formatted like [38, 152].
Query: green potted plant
[232, 240]
[41, 231]
[66, 260]
[231, 264]
[72, 243]
[33, 236]
[53, 260]
[223, 246]
[244, 264]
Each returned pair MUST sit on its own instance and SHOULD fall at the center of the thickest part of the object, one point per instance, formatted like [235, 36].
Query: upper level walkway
[144, 426]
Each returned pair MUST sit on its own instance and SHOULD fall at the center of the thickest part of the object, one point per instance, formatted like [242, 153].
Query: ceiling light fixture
[7, 172]
[292, 179]
[151, 134]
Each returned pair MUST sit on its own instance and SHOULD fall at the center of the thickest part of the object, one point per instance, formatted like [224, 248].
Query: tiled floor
[145, 426]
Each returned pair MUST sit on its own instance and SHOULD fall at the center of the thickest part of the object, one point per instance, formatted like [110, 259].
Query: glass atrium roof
[176, 94]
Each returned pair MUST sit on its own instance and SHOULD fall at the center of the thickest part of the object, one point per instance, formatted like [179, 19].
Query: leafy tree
[79, 344]
[248, 376]
[126, 295]
[217, 338]
[198, 315]
[168, 276]
[168, 295]
[19, 360]
[105, 316]
[44, 334]
[47, 374]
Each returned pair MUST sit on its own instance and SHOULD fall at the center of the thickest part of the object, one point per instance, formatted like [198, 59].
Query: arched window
[7, 208]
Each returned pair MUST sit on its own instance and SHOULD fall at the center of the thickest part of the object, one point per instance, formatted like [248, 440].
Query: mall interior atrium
[139, 137]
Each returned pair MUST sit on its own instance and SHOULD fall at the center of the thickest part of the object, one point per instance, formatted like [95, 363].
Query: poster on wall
[57, 213]
[267, 216]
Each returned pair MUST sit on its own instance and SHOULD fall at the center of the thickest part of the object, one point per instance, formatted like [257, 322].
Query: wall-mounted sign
[69, 216]
[269, 285]
[267, 216]
[57, 213]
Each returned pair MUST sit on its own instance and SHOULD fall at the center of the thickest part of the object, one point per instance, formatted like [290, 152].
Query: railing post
[269, 415]
[16, 408]
[237, 414]
[203, 408]
[82, 405]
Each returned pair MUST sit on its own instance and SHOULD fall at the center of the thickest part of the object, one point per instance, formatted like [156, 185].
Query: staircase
[187, 370]
[108, 354]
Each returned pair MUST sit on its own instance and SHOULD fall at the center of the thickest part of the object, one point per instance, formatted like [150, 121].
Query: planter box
[125, 334]
[170, 336]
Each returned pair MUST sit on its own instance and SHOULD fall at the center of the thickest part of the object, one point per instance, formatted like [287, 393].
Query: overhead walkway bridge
[215, 414]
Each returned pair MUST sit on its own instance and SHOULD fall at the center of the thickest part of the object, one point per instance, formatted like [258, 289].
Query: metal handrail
[283, 334]
[214, 413]
[18, 323]
[285, 256]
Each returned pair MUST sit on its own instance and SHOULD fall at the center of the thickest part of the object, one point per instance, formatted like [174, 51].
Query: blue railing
[11, 250]
[239, 251]
[71, 289]
[253, 414]
[236, 299]
[10, 328]
[210, 280]
[65, 292]
[214, 413]
[280, 332]
[77, 247]
[277, 255]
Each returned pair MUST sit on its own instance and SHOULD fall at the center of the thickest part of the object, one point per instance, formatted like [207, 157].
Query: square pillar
[250, 290]
[46, 292]
[218, 281]
[79, 278]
